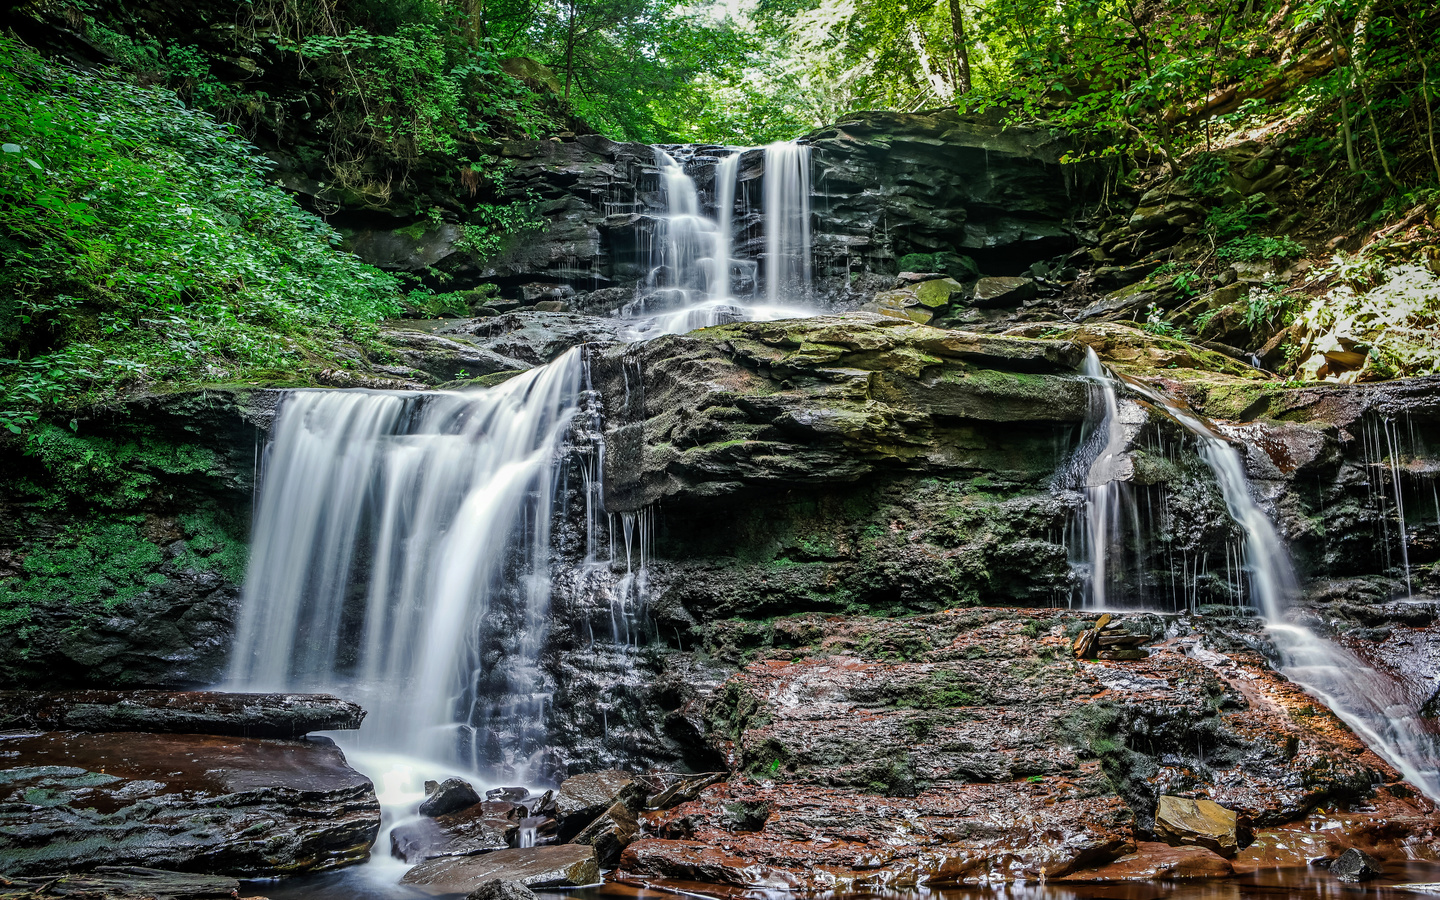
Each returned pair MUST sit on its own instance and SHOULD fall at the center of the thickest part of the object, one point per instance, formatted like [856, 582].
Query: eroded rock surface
[883, 749]
[196, 803]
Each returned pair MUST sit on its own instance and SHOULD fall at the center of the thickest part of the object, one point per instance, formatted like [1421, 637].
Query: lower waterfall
[389, 525]
[1374, 706]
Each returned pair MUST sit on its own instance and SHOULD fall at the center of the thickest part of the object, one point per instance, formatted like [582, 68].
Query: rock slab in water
[501, 890]
[179, 712]
[1182, 822]
[453, 795]
[123, 883]
[1356, 865]
[565, 865]
[234, 806]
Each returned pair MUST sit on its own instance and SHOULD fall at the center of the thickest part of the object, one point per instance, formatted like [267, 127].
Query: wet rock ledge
[136, 779]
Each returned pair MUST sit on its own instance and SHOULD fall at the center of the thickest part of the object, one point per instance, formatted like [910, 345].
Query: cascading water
[402, 541]
[787, 222]
[694, 279]
[1107, 502]
[388, 526]
[1374, 706]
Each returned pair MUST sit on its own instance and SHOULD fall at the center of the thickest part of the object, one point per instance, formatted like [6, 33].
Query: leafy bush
[1207, 173]
[1255, 247]
[1233, 221]
[1398, 320]
[143, 244]
[1266, 308]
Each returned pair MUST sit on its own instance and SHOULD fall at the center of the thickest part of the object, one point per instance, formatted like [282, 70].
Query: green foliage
[1257, 247]
[145, 245]
[1266, 308]
[106, 472]
[1397, 317]
[1207, 173]
[1155, 324]
[1225, 222]
[491, 227]
[105, 562]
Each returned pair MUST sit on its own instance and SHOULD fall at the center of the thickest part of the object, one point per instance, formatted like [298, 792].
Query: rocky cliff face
[889, 191]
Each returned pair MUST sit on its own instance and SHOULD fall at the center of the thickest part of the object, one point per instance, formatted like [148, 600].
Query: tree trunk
[570, 51]
[962, 50]
[1344, 73]
[1358, 46]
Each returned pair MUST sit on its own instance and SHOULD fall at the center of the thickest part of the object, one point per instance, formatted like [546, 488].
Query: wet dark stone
[1356, 865]
[507, 794]
[179, 712]
[453, 795]
[582, 798]
[235, 806]
[610, 834]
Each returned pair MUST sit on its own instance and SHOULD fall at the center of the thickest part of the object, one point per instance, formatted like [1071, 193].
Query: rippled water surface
[1401, 882]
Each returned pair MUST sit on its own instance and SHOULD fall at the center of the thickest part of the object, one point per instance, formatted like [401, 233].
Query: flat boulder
[243, 807]
[1182, 822]
[178, 712]
[992, 293]
[563, 865]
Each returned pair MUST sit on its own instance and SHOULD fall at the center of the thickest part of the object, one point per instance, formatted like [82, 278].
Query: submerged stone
[1356, 865]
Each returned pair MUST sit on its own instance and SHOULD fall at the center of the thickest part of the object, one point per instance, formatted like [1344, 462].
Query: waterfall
[787, 221]
[692, 271]
[1374, 706]
[389, 527]
[1107, 501]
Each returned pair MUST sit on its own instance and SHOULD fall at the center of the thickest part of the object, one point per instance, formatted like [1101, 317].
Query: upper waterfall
[695, 275]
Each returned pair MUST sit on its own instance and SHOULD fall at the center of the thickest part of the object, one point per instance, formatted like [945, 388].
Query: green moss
[107, 472]
[104, 563]
[941, 690]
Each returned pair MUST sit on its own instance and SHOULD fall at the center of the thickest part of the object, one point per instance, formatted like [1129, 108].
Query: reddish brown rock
[971, 745]
[816, 837]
